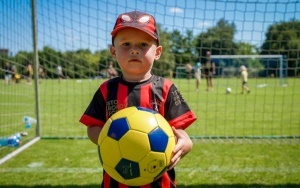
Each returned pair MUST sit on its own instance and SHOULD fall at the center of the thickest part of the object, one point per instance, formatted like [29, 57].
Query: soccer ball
[135, 146]
[228, 90]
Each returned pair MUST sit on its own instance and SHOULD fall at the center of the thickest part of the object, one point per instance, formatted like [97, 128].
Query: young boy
[135, 46]
[244, 77]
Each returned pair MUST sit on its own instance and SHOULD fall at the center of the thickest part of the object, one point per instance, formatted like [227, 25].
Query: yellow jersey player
[244, 77]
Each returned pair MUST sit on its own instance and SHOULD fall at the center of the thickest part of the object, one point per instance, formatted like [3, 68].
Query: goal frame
[280, 57]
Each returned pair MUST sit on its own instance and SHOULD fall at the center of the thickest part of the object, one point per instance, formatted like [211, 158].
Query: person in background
[209, 70]
[135, 46]
[15, 75]
[60, 73]
[244, 78]
[111, 71]
[188, 70]
[29, 73]
[7, 73]
[41, 73]
[197, 73]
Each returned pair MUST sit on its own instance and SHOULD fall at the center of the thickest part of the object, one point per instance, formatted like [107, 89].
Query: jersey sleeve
[95, 114]
[177, 111]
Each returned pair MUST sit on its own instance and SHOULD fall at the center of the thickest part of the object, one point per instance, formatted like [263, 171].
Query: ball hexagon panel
[112, 172]
[128, 169]
[158, 140]
[164, 125]
[118, 128]
[142, 121]
[104, 131]
[134, 145]
[110, 152]
[153, 164]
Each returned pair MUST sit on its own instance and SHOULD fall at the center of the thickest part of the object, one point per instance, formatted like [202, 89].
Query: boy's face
[135, 52]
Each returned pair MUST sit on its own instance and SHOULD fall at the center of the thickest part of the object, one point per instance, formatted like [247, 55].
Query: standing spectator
[29, 73]
[14, 74]
[111, 71]
[244, 77]
[7, 73]
[60, 73]
[17, 76]
[41, 73]
[188, 70]
[197, 73]
[209, 70]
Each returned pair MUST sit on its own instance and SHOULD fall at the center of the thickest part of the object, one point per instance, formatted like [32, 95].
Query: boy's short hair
[243, 67]
[138, 20]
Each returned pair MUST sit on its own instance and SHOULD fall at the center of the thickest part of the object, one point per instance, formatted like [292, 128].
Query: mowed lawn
[249, 140]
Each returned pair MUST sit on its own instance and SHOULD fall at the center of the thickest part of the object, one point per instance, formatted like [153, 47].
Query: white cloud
[176, 10]
[73, 38]
[204, 24]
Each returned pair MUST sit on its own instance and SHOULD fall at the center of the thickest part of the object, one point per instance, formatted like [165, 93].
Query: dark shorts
[208, 74]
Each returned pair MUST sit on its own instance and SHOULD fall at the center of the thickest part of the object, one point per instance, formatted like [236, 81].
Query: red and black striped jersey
[156, 93]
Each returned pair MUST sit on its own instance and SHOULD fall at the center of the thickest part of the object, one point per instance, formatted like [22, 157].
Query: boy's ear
[112, 50]
[158, 52]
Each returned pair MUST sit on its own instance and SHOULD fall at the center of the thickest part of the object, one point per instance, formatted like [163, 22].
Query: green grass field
[263, 151]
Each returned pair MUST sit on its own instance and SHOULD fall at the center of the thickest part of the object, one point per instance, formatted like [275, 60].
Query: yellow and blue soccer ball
[135, 146]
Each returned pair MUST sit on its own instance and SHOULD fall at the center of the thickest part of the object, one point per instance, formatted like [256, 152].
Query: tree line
[281, 38]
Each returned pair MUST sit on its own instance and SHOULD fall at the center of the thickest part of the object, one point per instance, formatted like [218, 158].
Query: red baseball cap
[138, 20]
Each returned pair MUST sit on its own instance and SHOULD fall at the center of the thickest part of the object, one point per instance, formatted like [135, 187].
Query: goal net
[73, 38]
[264, 66]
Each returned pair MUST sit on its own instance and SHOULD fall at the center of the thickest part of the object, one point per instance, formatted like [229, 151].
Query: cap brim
[115, 31]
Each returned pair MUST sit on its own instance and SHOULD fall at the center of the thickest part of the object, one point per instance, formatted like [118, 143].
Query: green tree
[246, 49]
[166, 62]
[284, 38]
[49, 58]
[81, 63]
[182, 46]
[104, 57]
[218, 39]
[21, 60]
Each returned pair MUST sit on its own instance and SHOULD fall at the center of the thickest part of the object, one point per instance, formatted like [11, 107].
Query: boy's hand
[183, 146]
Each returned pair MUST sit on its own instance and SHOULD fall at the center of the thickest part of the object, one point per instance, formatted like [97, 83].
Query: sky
[86, 24]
